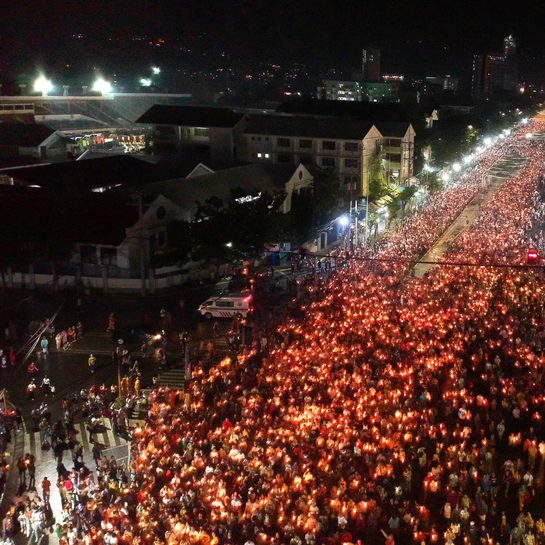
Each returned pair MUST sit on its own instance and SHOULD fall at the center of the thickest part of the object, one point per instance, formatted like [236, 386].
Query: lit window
[267, 156]
[259, 155]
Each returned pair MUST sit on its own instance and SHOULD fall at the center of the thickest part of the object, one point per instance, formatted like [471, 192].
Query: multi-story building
[495, 71]
[370, 64]
[511, 74]
[344, 144]
[211, 129]
[444, 83]
[380, 92]
[477, 75]
[342, 90]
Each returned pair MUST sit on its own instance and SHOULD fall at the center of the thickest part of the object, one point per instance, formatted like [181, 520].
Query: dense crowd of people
[397, 410]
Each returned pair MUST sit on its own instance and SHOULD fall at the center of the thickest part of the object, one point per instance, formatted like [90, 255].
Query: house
[31, 140]
[212, 129]
[115, 230]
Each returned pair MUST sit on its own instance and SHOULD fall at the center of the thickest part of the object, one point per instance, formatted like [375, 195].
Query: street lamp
[145, 82]
[155, 70]
[102, 86]
[343, 221]
[457, 167]
[43, 85]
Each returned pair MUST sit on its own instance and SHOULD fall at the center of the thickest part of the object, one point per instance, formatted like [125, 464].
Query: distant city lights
[145, 82]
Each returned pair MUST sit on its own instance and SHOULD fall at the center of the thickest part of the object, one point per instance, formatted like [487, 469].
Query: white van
[226, 306]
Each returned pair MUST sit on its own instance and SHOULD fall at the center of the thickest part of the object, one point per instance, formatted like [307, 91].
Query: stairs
[172, 378]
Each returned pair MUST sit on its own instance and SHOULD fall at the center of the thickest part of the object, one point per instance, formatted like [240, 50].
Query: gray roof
[392, 129]
[257, 177]
[342, 128]
[22, 134]
[190, 116]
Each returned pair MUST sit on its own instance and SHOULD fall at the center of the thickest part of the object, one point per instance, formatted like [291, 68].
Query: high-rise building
[495, 71]
[477, 75]
[511, 64]
[370, 64]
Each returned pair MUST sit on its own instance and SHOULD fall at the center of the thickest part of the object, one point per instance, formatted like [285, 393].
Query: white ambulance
[226, 306]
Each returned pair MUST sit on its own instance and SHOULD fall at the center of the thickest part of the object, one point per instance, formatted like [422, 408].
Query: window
[351, 146]
[267, 156]
[305, 144]
[259, 155]
[201, 132]
[283, 142]
[284, 159]
[394, 157]
[161, 212]
[108, 256]
[225, 304]
[329, 145]
[328, 162]
[351, 163]
[306, 159]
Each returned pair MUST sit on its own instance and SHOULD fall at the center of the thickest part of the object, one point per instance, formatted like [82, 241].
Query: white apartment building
[345, 144]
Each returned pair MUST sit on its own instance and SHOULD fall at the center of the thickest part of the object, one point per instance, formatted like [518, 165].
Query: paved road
[505, 168]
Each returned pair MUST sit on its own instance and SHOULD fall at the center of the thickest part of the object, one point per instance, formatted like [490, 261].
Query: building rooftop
[89, 175]
[251, 178]
[190, 116]
[23, 134]
[308, 126]
[364, 111]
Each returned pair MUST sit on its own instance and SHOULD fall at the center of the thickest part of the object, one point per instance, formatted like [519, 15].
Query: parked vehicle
[226, 306]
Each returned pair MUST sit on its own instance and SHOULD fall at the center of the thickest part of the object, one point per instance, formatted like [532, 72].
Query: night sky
[418, 37]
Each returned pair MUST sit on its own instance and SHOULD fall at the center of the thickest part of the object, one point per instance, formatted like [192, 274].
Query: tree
[378, 184]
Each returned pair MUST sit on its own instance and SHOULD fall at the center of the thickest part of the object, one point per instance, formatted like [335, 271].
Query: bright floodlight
[229, 244]
[102, 86]
[524, 121]
[507, 132]
[445, 177]
[457, 167]
[145, 82]
[467, 159]
[487, 141]
[155, 70]
[343, 221]
[43, 85]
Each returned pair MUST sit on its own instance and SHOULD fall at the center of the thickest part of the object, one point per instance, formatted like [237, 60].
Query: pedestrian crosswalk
[105, 437]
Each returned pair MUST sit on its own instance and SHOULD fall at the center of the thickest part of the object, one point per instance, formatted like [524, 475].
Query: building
[380, 92]
[170, 128]
[342, 90]
[477, 75]
[21, 140]
[370, 64]
[342, 143]
[444, 83]
[495, 71]
[115, 233]
[511, 74]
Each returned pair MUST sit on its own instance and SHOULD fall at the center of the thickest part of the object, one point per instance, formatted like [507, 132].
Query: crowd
[398, 410]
